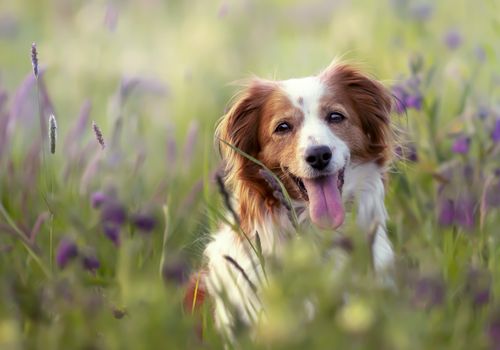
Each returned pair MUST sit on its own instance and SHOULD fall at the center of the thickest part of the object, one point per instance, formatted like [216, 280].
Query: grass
[155, 77]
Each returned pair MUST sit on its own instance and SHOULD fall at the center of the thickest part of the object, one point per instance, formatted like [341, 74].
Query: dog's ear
[372, 102]
[239, 126]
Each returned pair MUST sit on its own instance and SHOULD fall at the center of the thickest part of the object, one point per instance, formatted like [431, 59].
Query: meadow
[105, 209]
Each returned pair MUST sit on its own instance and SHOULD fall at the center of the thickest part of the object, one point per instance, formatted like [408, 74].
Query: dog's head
[306, 131]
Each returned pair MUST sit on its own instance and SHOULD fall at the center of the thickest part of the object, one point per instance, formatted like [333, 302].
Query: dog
[329, 140]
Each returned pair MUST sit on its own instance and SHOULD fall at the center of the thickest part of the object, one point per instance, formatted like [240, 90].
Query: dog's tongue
[325, 201]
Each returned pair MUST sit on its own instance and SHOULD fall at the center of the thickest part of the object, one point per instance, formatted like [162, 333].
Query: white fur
[315, 132]
[309, 89]
[226, 283]
[364, 183]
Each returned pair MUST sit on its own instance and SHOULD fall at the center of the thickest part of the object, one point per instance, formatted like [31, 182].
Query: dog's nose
[318, 157]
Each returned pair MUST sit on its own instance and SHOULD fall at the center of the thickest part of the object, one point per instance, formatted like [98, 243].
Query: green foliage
[154, 76]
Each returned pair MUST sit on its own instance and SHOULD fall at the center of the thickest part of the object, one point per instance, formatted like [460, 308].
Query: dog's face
[307, 131]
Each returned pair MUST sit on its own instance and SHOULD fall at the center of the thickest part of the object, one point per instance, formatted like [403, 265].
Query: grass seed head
[52, 133]
[34, 59]
[98, 134]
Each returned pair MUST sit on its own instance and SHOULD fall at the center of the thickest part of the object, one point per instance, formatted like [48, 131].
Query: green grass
[157, 81]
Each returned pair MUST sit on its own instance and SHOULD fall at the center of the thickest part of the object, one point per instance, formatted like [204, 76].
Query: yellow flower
[356, 316]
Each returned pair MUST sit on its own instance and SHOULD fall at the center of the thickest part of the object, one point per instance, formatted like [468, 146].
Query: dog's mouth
[324, 194]
[303, 190]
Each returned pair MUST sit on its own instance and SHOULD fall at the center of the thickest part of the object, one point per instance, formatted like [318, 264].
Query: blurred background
[96, 243]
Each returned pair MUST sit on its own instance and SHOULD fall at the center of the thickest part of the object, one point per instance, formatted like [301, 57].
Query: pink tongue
[325, 202]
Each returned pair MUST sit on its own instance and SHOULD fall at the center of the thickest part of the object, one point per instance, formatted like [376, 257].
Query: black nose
[318, 157]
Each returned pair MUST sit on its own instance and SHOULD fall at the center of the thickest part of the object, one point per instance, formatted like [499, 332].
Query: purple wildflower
[111, 18]
[399, 106]
[465, 212]
[223, 10]
[4, 120]
[79, 127]
[412, 154]
[483, 112]
[478, 286]
[400, 96]
[414, 101]
[413, 82]
[171, 150]
[38, 223]
[422, 12]
[31, 166]
[98, 198]
[399, 151]
[112, 232]
[90, 261]
[127, 85]
[407, 95]
[176, 271]
[446, 211]
[480, 53]
[453, 39]
[3, 99]
[191, 139]
[23, 108]
[189, 201]
[495, 134]
[113, 212]
[90, 170]
[429, 292]
[461, 145]
[494, 330]
[493, 194]
[66, 251]
[143, 222]
[407, 153]
[482, 297]
[468, 171]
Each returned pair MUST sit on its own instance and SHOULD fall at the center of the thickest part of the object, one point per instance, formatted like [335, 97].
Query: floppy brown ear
[239, 127]
[372, 103]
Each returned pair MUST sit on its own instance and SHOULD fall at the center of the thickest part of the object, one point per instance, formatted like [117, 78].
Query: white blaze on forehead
[305, 94]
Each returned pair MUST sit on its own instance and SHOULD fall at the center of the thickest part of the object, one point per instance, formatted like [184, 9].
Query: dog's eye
[283, 127]
[335, 118]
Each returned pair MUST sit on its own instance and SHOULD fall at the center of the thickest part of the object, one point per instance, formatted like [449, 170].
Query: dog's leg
[372, 217]
[234, 280]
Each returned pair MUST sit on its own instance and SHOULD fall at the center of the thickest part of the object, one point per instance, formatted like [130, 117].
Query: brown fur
[239, 127]
[370, 103]
[278, 152]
